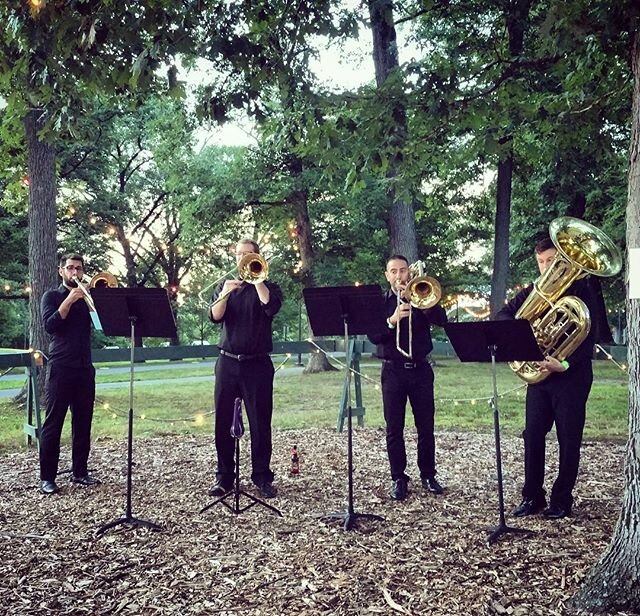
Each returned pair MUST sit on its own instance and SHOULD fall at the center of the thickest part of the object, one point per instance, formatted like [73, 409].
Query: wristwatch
[390, 325]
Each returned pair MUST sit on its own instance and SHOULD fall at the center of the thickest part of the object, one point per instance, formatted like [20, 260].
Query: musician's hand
[74, 295]
[230, 285]
[551, 364]
[401, 312]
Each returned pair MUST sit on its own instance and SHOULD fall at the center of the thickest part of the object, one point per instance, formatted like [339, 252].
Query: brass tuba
[561, 324]
[421, 292]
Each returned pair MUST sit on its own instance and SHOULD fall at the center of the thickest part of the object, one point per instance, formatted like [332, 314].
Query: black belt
[242, 357]
[409, 365]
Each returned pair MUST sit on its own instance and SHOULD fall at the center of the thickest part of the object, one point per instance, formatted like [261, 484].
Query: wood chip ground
[428, 556]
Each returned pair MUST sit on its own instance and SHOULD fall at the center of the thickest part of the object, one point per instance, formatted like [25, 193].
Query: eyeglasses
[71, 268]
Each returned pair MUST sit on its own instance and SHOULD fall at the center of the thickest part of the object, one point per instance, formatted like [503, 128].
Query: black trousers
[416, 385]
[73, 388]
[560, 399]
[251, 380]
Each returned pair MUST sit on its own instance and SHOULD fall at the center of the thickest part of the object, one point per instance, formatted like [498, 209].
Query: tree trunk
[299, 200]
[41, 169]
[501, 240]
[613, 584]
[174, 285]
[401, 219]
[516, 19]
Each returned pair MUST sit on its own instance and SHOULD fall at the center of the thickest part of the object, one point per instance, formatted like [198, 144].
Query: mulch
[428, 556]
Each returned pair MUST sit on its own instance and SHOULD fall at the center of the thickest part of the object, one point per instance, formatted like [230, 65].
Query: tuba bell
[560, 324]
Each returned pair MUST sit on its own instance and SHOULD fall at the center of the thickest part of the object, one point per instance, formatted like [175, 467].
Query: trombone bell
[103, 279]
[423, 292]
[99, 280]
[253, 268]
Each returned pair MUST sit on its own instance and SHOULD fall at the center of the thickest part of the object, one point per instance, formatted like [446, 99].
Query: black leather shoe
[555, 512]
[266, 489]
[529, 506]
[86, 480]
[431, 485]
[49, 487]
[220, 488]
[399, 489]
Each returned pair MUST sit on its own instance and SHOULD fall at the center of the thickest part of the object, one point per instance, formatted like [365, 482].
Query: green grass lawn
[304, 401]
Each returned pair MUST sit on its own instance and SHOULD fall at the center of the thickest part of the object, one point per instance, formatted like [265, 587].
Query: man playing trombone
[406, 373]
[244, 368]
[70, 376]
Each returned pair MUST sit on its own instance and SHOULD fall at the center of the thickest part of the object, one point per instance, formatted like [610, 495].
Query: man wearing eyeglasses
[70, 376]
[244, 370]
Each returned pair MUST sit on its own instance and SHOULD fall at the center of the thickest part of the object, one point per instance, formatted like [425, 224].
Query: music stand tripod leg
[502, 527]
[236, 492]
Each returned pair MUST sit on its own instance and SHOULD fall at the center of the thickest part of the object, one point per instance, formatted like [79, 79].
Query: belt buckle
[409, 364]
[241, 357]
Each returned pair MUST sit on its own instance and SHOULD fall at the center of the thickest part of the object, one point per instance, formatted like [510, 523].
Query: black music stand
[237, 430]
[495, 341]
[127, 312]
[334, 311]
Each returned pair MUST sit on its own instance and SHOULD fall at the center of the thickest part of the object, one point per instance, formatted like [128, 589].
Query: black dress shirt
[246, 323]
[421, 331]
[581, 289]
[70, 338]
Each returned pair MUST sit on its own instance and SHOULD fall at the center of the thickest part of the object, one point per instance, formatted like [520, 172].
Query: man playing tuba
[560, 397]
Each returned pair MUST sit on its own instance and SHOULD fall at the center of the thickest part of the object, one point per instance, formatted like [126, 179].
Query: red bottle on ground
[295, 461]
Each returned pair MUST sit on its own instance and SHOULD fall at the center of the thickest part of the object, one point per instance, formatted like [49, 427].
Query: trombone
[252, 268]
[99, 280]
[421, 292]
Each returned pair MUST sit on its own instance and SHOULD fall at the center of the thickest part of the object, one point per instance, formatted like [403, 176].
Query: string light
[610, 357]
[198, 419]
[284, 361]
[455, 401]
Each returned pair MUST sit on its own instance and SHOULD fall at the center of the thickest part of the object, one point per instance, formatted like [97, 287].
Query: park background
[471, 126]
